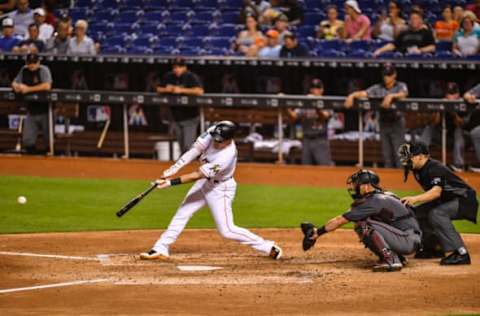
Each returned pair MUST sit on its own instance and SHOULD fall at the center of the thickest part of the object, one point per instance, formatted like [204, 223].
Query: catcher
[386, 226]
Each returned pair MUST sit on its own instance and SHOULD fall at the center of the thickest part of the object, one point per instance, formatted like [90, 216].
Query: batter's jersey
[217, 165]
[384, 208]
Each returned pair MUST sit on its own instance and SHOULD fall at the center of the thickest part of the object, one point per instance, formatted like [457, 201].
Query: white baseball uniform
[216, 190]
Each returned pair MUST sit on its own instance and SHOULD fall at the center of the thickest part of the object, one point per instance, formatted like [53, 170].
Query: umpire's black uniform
[457, 201]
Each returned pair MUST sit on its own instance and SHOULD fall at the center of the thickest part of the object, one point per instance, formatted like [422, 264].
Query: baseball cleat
[276, 252]
[403, 260]
[455, 259]
[387, 267]
[153, 255]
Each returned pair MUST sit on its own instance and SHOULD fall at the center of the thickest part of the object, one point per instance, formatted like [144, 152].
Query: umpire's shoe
[455, 259]
[153, 255]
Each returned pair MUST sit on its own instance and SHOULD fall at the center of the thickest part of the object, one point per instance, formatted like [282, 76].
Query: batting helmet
[360, 177]
[223, 130]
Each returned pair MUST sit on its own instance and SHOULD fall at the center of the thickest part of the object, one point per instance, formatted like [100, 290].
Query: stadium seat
[312, 18]
[191, 42]
[113, 50]
[150, 28]
[444, 46]
[306, 31]
[167, 42]
[227, 30]
[139, 50]
[146, 40]
[202, 17]
[106, 16]
[154, 16]
[219, 42]
[445, 54]
[118, 40]
[206, 4]
[162, 49]
[359, 45]
[122, 28]
[330, 45]
[230, 17]
[200, 31]
[79, 13]
[231, 4]
[180, 16]
[83, 3]
[129, 16]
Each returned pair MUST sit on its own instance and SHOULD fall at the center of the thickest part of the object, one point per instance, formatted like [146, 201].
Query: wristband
[176, 181]
[321, 230]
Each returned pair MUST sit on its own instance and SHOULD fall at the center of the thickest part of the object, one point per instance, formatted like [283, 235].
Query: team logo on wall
[98, 113]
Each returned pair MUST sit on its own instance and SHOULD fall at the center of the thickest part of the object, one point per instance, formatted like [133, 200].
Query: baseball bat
[103, 135]
[135, 200]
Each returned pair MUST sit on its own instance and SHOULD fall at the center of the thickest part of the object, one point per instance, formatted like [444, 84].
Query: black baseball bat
[135, 200]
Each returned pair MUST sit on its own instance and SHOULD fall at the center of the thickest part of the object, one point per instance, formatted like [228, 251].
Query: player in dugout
[384, 225]
[447, 197]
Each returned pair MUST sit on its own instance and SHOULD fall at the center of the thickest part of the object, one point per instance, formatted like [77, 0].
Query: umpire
[181, 81]
[34, 77]
[386, 226]
[446, 198]
[392, 122]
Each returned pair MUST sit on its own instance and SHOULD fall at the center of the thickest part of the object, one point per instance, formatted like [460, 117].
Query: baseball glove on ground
[308, 231]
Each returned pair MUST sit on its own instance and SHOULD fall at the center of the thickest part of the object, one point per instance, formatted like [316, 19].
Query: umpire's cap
[223, 131]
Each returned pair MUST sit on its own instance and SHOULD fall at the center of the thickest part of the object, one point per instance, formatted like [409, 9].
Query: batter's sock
[462, 251]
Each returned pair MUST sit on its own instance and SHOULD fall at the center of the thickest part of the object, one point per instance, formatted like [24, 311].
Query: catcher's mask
[360, 177]
[223, 131]
[409, 150]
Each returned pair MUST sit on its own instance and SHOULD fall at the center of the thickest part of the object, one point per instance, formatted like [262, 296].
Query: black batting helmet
[360, 177]
[223, 130]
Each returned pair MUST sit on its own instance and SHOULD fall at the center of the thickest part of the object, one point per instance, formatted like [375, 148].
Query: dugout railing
[273, 102]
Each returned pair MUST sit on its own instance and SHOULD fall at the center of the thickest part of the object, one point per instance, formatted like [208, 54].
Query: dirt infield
[99, 273]
[292, 175]
[327, 280]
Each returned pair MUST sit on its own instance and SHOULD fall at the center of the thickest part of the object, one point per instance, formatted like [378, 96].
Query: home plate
[198, 268]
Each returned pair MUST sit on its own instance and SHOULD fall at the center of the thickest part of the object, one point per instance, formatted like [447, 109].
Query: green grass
[81, 205]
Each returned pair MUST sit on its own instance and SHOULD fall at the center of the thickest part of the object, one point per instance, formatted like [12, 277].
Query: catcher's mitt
[308, 232]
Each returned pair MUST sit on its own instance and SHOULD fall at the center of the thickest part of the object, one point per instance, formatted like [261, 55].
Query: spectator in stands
[293, 11]
[67, 19]
[389, 26]
[255, 8]
[357, 25]
[332, 28]
[58, 44]
[472, 96]
[182, 81]
[282, 26]
[392, 122]
[32, 44]
[7, 6]
[46, 30]
[315, 145]
[22, 17]
[251, 39]
[445, 29]
[8, 40]
[474, 7]
[417, 39]
[34, 77]
[473, 17]
[458, 14]
[81, 44]
[273, 47]
[292, 48]
[467, 40]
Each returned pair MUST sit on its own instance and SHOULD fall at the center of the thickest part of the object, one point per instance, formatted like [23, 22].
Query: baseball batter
[214, 187]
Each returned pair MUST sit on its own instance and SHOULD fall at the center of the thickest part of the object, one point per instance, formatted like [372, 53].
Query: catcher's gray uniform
[382, 221]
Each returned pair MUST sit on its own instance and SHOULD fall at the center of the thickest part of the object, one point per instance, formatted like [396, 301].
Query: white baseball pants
[219, 198]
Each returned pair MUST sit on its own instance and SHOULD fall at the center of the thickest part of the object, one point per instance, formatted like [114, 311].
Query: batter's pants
[218, 197]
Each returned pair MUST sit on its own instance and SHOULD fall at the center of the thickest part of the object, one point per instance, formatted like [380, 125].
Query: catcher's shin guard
[375, 242]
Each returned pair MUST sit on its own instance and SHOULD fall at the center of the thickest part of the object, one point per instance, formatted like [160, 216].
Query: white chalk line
[27, 254]
[47, 286]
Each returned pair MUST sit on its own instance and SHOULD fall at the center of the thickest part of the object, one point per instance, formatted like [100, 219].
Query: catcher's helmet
[360, 177]
[223, 130]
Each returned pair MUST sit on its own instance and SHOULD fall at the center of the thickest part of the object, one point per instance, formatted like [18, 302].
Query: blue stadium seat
[444, 54]
[331, 53]
[140, 50]
[232, 4]
[173, 30]
[84, 3]
[191, 42]
[359, 45]
[150, 28]
[227, 30]
[219, 42]
[118, 40]
[133, 4]
[329, 45]
[202, 17]
[107, 4]
[129, 16]
[200, 31]
[122, 28]
[106, 16]
[312, 18]
[117, 49]
[206, 4]
[162, 49]
[146, 40]
[189, 51]
[230, 17]
[444, 46]
[306, 31]
[179, 16]
[79, 13]
[181, 4]
[154, 16]
[167, 41]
